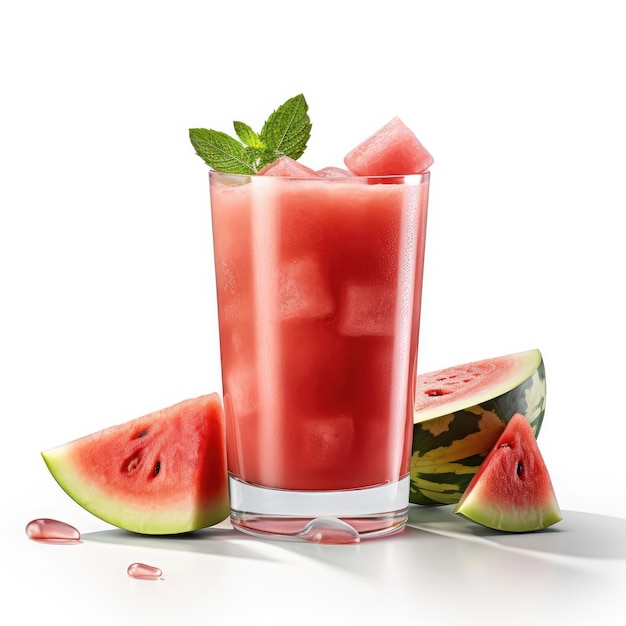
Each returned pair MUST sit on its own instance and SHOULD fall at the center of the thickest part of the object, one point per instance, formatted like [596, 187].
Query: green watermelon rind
[440, 470]
[513, 520]
[121, 512]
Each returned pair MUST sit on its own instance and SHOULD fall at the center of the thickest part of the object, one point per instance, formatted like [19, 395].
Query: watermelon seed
[520, 468]
[436, 392]
[131, 464]
[45, 530]
[143, 433]
[157, 468]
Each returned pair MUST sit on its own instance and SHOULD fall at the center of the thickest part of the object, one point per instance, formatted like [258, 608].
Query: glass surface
[318, 288]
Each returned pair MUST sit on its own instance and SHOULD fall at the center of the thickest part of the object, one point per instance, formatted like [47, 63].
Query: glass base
[282, 514]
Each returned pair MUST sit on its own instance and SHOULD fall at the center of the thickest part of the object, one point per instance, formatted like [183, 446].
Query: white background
[106, 276]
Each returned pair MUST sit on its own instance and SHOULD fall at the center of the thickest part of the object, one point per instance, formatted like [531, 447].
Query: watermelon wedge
[512, 490]
[163, 473]
[392, 150]
[461, 411]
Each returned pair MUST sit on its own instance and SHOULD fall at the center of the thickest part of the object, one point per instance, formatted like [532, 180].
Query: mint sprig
[285, 133]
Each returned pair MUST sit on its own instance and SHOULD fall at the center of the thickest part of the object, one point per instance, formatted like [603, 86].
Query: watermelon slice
[512, 490]
[163, 473]
[461, 411]
[457, 387]
[393, 150]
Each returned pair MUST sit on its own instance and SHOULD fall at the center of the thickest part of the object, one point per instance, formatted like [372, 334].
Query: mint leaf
[248, 136]
[288, 128]
[285, 133]
[220, 151]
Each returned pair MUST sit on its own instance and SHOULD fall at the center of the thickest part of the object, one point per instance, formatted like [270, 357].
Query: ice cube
[366, 310]
[334, 172]
[240, 383]
[304, 290]
[327, 440]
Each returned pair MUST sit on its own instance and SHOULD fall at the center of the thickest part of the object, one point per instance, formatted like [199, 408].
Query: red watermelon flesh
[393, 150]
[512, 490]
[163, 473]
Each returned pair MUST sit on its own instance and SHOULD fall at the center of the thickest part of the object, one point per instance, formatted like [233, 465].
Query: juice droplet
[329, 530]
[46, 530]
[143, 571]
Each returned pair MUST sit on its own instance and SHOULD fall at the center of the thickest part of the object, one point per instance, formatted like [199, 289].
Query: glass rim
[422, 176]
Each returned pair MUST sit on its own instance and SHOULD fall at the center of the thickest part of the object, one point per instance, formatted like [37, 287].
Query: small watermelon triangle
[512, 490]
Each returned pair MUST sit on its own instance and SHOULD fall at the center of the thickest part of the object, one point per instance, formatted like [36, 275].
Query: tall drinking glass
[319, 284]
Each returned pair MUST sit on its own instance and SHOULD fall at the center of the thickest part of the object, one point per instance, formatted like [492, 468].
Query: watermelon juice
[318, 291]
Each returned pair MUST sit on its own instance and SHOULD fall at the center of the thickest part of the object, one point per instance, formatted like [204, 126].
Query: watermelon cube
[393, 150]
[286, 166]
